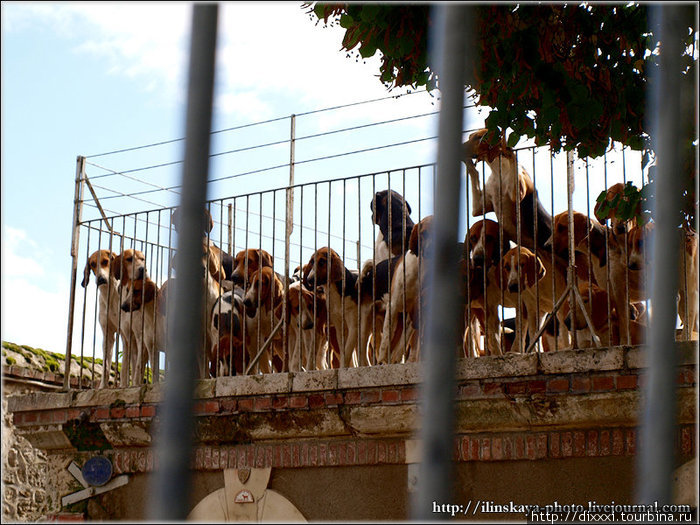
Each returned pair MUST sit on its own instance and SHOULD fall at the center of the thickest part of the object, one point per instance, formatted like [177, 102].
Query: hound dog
[101, 263]
[246, 263]
[325, 271]
[374, 283]
[227, 319]
[305, 318]
[404, 297]
[138, 300]
[605, 327]
[264, 294]
[485, 245]
[223, 271]
[558, 242]
[508, 191]
[391, 213]
[523, 273]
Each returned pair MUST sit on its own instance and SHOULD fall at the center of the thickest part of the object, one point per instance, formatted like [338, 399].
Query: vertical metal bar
[174, 441]
[435, 480]
[289, 220]
[75, 239]
[658, 430]
[571, 274]
[230, 233]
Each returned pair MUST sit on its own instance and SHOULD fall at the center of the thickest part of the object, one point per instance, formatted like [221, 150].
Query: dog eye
[92, 264]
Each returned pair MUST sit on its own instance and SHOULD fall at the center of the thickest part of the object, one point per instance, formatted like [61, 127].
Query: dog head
[141, 292]
[227, 317]
[529, 265]
[420, 243]
[300, 306]
[100, 263]
[595, 301]
[265, 289]
[480, 147]
[482, 242]
[248, 262]
[638, 246]
[130, 265]
[391, 213]
[324, 267]
[206, 226]
[384, 201]
[559, 240]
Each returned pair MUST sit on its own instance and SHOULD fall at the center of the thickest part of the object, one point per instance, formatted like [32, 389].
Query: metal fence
[292, 222]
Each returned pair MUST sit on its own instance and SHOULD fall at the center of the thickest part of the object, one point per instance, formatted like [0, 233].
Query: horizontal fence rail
[279, 300]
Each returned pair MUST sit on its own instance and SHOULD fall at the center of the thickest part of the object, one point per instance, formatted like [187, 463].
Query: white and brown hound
[508, 191]
[100, 264]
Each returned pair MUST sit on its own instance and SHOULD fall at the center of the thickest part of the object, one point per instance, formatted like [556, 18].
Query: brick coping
[501, 368]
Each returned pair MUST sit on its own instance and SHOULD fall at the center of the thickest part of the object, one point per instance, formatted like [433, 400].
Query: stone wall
[25, 496]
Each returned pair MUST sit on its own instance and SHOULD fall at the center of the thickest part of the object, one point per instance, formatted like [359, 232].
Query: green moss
[10, 360]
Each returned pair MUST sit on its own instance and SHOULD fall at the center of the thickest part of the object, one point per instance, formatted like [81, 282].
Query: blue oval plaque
[97, 471]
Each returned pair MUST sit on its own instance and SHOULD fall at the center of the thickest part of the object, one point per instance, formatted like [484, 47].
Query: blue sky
[88, 78]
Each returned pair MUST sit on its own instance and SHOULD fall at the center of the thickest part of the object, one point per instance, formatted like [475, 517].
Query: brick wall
[537, 407]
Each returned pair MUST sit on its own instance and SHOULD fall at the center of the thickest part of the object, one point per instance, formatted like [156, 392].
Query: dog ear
[208, 221]
[336, 267]
[596, 237]
[265, 259]
[408, 206]
[86, 274]
[413, 239]
[535, 270]
[117, 267]
[150, 291]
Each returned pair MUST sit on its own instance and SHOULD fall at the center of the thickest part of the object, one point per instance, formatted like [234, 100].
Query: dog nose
[140, 272]
[567, 322]
[125, 307]
[513, 288]
[634, 266]
[237, 278]
[478, 259]
[101, 280]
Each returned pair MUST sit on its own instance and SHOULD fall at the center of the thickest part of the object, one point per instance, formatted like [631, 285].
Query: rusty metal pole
[174, 451]
[439, 351]
[74, 245]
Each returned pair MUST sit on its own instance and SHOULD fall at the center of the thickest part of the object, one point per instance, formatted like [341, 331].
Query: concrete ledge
[381, 375]
[509, 365]
[252, 385]
[39, 401]
[587, 360]
[314, 381]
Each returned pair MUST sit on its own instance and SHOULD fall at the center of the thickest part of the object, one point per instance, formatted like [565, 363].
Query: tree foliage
[571, 76]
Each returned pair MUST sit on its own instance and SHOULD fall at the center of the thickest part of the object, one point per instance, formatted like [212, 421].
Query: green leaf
[346, 21]
[513, 140]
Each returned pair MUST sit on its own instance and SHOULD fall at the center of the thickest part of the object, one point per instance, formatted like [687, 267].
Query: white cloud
[267, 51]
[35, 304]
[22, 257]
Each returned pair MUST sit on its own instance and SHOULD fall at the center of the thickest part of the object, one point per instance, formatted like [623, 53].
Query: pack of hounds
[327, 315]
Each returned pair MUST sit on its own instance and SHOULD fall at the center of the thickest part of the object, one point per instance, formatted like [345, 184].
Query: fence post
[174, 452]
[659, 422]
[75, 238]
[289, 226]
[439, 352]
